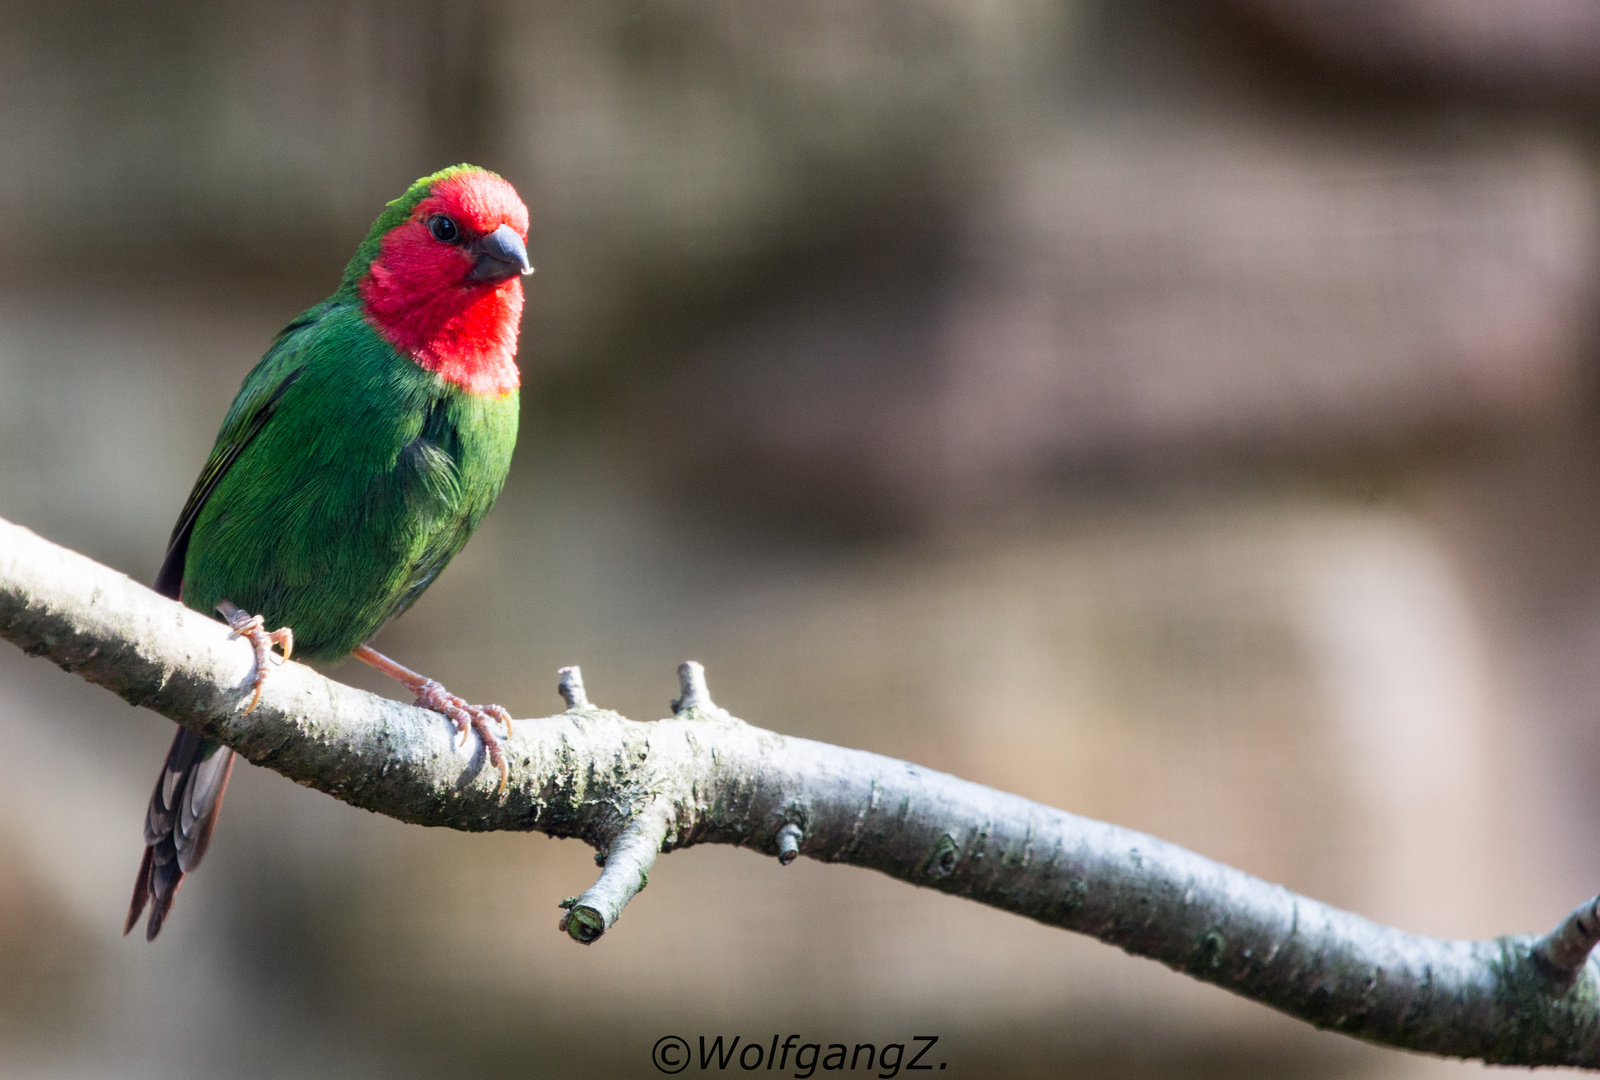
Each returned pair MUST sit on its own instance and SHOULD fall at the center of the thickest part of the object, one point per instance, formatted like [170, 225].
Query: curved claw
[469, 718]
[502, 716]
[253, 629]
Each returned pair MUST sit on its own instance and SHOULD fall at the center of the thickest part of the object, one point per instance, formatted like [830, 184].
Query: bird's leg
[431, 695]
[253, 628]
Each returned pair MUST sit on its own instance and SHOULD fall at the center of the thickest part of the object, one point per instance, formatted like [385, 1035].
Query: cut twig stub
[1565, 950]
[693, 694]
[570, 687]
[626, 873]
[789, 843]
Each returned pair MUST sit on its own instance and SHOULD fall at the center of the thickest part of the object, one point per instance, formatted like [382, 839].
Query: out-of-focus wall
[1179, 413]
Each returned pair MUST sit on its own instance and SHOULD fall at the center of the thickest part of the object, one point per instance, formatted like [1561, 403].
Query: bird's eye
[443, 229]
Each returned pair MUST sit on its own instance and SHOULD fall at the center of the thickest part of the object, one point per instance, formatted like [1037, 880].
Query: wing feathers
[188, 793]
[169, 579]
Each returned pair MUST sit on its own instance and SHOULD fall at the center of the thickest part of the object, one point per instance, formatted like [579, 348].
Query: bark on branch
[635, 789]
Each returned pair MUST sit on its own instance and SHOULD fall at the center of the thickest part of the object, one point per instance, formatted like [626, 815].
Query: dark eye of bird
[443, 229]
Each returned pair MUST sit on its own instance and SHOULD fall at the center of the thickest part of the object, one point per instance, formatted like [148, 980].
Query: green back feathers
[397, 213]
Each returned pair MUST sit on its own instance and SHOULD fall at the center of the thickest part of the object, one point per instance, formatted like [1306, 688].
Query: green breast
[369, 476]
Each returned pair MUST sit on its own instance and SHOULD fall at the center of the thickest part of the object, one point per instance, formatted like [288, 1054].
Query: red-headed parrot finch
[361, 452]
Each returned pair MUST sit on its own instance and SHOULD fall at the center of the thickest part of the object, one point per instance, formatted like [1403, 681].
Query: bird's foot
[253, 628]
[468, 717]
[460, 712]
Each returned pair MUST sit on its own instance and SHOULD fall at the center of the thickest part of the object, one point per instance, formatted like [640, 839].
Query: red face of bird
[470, 232]
[446, 283]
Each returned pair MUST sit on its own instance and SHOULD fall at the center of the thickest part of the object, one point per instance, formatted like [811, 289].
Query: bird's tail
[178, 824]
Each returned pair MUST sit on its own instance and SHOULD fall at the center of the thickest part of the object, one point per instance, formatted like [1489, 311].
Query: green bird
[362, 451]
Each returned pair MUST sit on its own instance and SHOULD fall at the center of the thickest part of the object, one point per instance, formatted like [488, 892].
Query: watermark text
[791, 1057]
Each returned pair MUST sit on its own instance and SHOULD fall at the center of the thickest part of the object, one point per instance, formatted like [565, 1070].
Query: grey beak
[501, 255]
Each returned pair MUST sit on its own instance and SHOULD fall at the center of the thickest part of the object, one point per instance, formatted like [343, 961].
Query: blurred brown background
[1181, 413]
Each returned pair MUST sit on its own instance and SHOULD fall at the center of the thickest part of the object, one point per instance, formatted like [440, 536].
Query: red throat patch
[419, 298]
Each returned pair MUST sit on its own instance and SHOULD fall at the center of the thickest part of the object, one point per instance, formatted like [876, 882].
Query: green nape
[396, 213]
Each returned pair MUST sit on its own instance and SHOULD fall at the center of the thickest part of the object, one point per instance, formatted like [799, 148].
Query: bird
[361, 452]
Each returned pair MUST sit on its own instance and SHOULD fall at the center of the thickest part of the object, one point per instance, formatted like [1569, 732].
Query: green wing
[183, 807]
[258, 399]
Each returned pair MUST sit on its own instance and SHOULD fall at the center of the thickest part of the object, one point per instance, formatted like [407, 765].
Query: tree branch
[634, 789]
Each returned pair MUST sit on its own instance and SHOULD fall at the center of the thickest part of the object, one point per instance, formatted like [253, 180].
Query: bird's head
[440, 276]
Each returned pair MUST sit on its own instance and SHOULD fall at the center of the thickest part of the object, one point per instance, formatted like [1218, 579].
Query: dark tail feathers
[178, 824]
